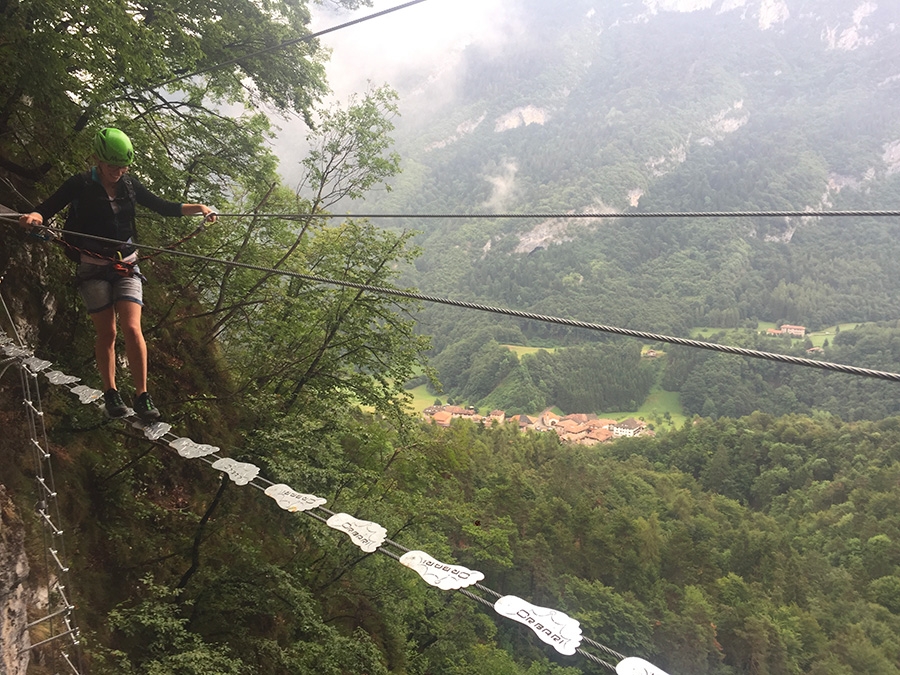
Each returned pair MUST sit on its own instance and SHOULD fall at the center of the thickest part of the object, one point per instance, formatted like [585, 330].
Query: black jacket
[91, 211]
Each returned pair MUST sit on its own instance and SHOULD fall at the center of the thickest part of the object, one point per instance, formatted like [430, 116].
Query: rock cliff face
[13, 572]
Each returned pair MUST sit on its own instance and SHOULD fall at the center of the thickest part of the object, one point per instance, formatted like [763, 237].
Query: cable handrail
[529, 316]
[558, 215]
[274, 48]
[580, 215]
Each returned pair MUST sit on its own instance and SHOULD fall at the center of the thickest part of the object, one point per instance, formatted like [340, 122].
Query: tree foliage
[162, 72]
[589, 378]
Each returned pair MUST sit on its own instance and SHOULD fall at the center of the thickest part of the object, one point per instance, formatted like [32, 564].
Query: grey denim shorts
[101, 286]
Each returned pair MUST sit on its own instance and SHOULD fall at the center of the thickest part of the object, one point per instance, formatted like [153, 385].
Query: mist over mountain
[680, 106]
[597, 105]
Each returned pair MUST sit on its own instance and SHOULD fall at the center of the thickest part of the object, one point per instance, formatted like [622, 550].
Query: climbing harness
[119, 264]
[122, 268]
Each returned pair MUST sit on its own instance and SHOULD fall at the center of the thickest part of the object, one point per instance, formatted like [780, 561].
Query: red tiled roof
[443, 418]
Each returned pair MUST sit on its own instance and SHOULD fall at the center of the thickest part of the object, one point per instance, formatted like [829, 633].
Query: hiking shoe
[144, 408]
[115, 406]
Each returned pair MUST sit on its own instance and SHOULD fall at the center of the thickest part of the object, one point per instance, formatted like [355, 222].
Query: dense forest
[590, 377]
[748, 545]
[760, 537]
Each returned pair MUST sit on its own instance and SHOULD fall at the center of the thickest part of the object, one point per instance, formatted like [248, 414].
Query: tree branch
[198, 535]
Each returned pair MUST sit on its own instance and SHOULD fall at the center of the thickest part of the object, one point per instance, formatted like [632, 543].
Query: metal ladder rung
[43, 483]
[62, 593]
[71, 665]
[49, 639]
[59, 606]
[62, 568]
[40, 448]
[57, 532]
[68, 619]
[39, 413]
[49, 616]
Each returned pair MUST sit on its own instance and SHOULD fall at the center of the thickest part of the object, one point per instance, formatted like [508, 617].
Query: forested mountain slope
[661, 107]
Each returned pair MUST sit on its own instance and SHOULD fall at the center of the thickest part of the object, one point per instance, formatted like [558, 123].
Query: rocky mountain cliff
[13, 574]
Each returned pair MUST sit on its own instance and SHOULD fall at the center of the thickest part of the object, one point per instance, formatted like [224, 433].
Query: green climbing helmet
[113, 147]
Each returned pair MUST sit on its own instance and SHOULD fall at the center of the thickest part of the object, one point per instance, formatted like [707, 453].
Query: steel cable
[279, 46]
[530, 316]
[562, 216]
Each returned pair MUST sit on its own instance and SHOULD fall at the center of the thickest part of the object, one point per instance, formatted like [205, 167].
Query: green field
[818, 338]
[658, 404]
[421, 398]
[704, 332]
[653, 410]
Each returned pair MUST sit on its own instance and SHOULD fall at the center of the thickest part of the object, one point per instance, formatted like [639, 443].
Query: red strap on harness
[123, 269]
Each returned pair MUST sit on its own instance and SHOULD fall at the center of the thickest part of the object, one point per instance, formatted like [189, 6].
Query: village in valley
[580, 428]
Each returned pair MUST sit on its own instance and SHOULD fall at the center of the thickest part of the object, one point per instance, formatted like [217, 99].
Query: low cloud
[412, 46]
[415, 50]
[503, 182]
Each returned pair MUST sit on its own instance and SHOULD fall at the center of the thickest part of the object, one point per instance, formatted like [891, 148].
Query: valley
[744, 520]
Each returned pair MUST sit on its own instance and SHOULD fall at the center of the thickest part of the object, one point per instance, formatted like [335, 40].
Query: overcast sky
[399, 49]
[416, 39]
